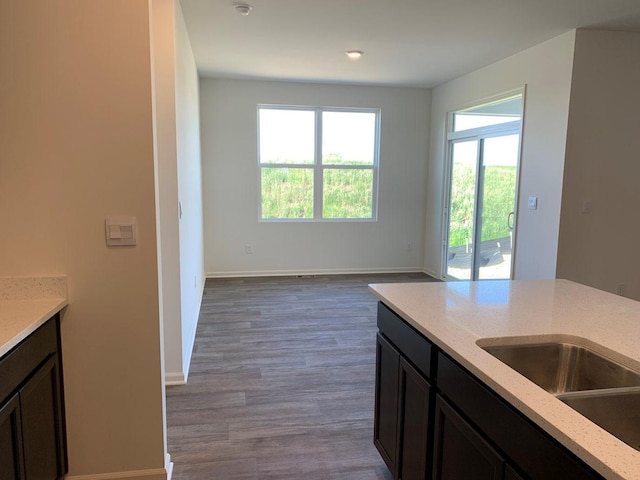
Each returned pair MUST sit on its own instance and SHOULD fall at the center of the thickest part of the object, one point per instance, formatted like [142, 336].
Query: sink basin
[564, 367]
[618, 412]
[601, 389]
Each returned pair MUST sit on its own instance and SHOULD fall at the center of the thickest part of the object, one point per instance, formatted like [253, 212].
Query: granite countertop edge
[26, 303]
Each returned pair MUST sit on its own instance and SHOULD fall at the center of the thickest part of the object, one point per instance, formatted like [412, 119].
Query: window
[317, 163]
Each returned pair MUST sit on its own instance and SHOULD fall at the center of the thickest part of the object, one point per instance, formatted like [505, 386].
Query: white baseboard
[188, 352]
[180, 378]
[432, 274]
[152, 474]
[174, 378]
[289, 273]
[168, 466]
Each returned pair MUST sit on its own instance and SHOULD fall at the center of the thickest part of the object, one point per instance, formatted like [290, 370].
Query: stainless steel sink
[603, 390]
[617, 411]
[564, 367]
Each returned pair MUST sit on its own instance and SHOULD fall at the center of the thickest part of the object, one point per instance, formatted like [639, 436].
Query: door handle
[510, 220]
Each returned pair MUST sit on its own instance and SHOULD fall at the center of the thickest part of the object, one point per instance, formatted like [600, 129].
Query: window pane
[348, 138]
[463, 121]
[347, 193]
[287, 192]
[503, 111]
[286, 136]
[499, 164]
[462, 209]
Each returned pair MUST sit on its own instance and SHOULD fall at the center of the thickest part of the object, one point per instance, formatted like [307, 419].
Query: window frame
[318, 167]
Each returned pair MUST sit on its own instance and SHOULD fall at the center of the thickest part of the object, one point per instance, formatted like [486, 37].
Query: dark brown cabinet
[510, 474]
[460, 451]
[525, 447]
[436, 421]
[40, 404]
[11, 460]
[402, 428]
[414, 424]
[385, 434]
[32, 438]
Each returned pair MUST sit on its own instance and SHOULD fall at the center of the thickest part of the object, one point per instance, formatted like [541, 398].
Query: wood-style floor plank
[281, 383]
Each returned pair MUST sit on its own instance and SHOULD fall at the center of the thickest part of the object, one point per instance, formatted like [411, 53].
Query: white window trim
[318, 167]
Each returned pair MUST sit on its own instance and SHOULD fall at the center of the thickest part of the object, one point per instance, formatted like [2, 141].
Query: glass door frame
[480, 135]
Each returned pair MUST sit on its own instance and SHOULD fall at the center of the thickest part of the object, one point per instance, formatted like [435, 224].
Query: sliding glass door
[483, 178]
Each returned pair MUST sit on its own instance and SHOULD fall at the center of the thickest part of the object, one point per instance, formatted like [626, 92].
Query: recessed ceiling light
[243, 8]
[354, 54]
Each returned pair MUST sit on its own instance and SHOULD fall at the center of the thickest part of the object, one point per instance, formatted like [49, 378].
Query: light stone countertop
[25, 304]
[456, 315]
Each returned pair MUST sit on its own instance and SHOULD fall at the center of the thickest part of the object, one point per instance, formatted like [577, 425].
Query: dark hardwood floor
[281, 383]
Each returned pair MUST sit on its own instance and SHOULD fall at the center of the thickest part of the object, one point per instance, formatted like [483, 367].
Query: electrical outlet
[249, 248]
[409, 247]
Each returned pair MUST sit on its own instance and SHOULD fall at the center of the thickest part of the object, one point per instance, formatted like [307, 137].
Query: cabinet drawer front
[18, 364]
[534, 451]
[412, 344]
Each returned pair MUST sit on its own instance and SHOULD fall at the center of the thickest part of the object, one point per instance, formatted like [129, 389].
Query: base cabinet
[11, 458]
[525, 447]
[413, 447]
[41, 428]
[460, 451]
[32, 440]
[385, 436]
[510, 474]
[402, 432]
[436, 421]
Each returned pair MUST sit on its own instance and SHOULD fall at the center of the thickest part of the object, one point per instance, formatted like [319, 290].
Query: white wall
[77, 147]
[167, 189]
[189, 188]
[231, 184]
[600, 249]
[179, 182]
[546, 71]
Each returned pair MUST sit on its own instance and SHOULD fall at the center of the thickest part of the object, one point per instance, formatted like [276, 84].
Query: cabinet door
[41, 423]
[510, 474]
[414, 424]
[11, 459]
[386, 406]
[459, 451]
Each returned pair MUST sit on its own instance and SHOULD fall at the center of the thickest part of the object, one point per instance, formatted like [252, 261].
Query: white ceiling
[418, 43]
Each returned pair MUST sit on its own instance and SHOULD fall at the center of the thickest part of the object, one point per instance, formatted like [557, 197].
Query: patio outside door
[483, 169]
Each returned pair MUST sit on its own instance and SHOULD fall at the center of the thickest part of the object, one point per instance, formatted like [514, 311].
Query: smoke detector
[243, 9]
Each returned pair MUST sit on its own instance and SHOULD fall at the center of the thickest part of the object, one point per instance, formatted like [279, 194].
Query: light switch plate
[533, 203]
[121, 231]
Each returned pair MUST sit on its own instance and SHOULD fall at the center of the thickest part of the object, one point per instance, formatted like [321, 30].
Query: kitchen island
[458, 318]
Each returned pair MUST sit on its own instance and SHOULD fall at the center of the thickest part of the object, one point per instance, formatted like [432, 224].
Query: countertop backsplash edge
[33, 287]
